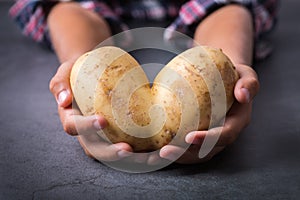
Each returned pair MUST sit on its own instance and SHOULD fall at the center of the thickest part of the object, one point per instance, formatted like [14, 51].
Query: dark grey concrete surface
[39, 161]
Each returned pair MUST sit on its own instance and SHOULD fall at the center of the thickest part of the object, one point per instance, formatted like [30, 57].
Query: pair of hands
[236, 120]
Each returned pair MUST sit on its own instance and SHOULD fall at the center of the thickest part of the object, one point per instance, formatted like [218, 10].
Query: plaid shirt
[31, 15]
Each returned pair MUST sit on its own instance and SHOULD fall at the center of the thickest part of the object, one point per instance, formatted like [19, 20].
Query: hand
[87, 126]
[236, 120]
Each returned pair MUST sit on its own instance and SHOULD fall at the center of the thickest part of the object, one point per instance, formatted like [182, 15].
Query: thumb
[247, 86]
[60, 85]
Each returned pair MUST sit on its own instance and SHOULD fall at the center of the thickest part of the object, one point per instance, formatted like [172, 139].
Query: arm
[231, 29]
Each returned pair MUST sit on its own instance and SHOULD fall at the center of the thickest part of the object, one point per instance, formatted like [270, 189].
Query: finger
[247, 86]
[104, 151]
[151, 158]
[171, 152]
[237, 119]
[188, 156]
[76, 124]
[176, 153]
[88, 124]
[206, 139]
[214, 151]
[86, 151]
[154, 159]
[60, 86]
[185, 156]
[195, 137]
[140, 157]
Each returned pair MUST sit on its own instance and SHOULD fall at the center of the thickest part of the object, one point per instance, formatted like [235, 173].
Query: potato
[192, 92]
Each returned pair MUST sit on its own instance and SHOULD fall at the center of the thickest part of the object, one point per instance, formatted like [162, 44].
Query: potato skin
[110, 82]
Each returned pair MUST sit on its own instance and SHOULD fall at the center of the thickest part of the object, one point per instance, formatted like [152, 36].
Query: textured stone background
[39, 161]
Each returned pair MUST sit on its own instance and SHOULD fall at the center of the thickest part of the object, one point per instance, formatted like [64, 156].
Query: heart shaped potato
[192, 92]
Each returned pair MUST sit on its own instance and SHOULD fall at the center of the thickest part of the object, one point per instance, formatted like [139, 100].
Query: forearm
[75, 30]
[231, 29]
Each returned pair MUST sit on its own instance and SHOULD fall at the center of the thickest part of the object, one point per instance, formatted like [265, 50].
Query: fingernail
[62, 96]
[246, 93]
[195, 137]
[190, 137]
[124, 154]
[171, 157]
[97, 125]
